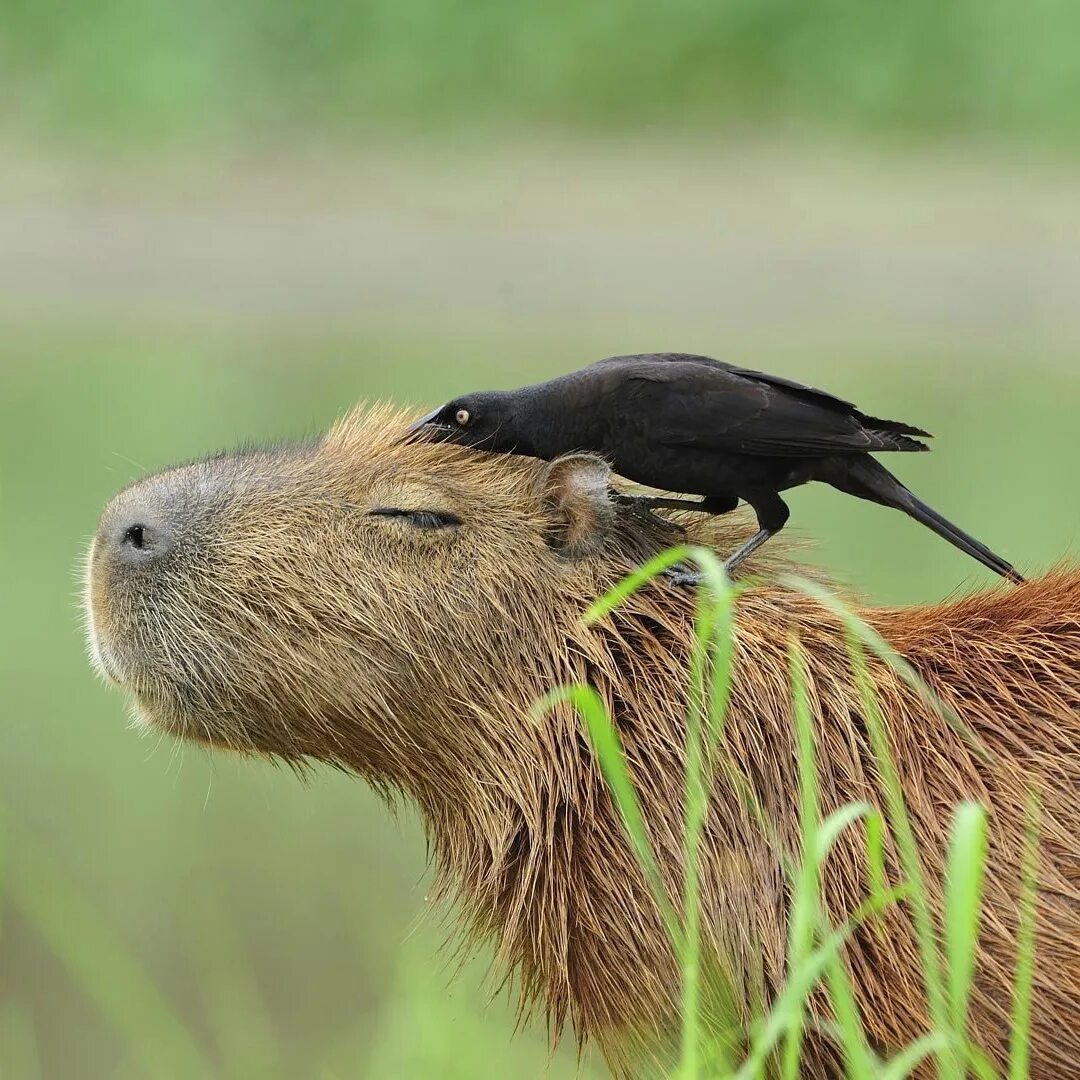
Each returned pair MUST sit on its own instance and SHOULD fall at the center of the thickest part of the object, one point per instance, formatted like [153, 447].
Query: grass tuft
[963, 898]
[815, 949]
[609, 752]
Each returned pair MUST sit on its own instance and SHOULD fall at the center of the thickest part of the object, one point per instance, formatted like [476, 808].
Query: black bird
[692, 424]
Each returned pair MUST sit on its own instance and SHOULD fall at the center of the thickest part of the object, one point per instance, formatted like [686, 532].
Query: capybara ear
[575, 488]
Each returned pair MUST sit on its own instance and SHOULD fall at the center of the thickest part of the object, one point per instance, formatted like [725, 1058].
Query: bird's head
[484, 421]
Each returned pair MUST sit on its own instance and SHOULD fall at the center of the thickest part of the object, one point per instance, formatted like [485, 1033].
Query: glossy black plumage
[691, 424]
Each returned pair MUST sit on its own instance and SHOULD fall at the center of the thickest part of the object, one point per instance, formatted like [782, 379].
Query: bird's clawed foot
[681, 577]
[642, 506]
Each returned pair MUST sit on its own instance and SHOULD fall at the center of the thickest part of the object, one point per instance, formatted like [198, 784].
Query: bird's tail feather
[894, 427]
[869, 479]
[891, 440]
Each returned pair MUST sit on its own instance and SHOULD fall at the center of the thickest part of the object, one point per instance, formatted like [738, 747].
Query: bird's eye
[463, 416]
[421, 519]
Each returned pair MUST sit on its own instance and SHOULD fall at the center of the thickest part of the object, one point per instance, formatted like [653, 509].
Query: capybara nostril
[137, 539]
[136, 536]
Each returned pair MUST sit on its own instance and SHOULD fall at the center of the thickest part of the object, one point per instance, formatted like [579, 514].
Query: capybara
[395, 608]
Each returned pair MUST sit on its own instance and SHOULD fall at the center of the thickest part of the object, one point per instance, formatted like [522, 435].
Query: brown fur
[298, 625]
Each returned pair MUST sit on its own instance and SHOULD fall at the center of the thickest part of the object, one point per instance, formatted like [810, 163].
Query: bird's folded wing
[806, 393]
[665, 364]
[736, 415]
[679, 366]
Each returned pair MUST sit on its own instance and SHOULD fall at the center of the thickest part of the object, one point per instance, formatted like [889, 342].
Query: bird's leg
[711, 504]
[772, 514]
[639, 506]
[644, 506]
[647, 504]
[657, 502]
[748, 549]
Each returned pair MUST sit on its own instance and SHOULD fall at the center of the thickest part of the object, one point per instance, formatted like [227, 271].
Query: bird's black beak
[424, 421]
[429, 426]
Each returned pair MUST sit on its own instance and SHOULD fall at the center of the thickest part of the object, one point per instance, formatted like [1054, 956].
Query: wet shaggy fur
[291, 621]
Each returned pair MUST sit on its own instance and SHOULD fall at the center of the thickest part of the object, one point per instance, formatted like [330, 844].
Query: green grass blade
[850, 1030]
[800, 983]
[805, 909]
[911, 1057]
[609, 752]
[867, 636]
[948, 1065]
[835, 824]
[712, 571]
[623, 590]
[875, 859]
[979, 1064]
[860, 1059]
[818, 839]
[105, 970]
[963, 901]
[696, 807]
[695, 810]
[713, 650]
[1020, 1042]
[858, 635]
[723, 669]
[849, 1025]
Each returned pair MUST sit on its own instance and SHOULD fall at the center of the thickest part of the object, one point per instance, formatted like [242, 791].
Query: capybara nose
[141, 540]
[139, 536]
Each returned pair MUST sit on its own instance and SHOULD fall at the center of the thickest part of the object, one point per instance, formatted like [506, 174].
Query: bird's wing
[808, 393]
[673, 363]
[720, 409]
[799, 390]
[829, 401]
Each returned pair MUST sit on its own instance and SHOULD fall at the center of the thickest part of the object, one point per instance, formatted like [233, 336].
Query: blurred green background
[152, 69]
[222, 223]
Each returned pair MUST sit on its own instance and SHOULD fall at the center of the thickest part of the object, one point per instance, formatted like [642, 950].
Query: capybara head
[395, 607]
[312, 599]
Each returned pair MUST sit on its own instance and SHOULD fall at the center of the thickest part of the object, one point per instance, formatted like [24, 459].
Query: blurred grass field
[158, 71]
